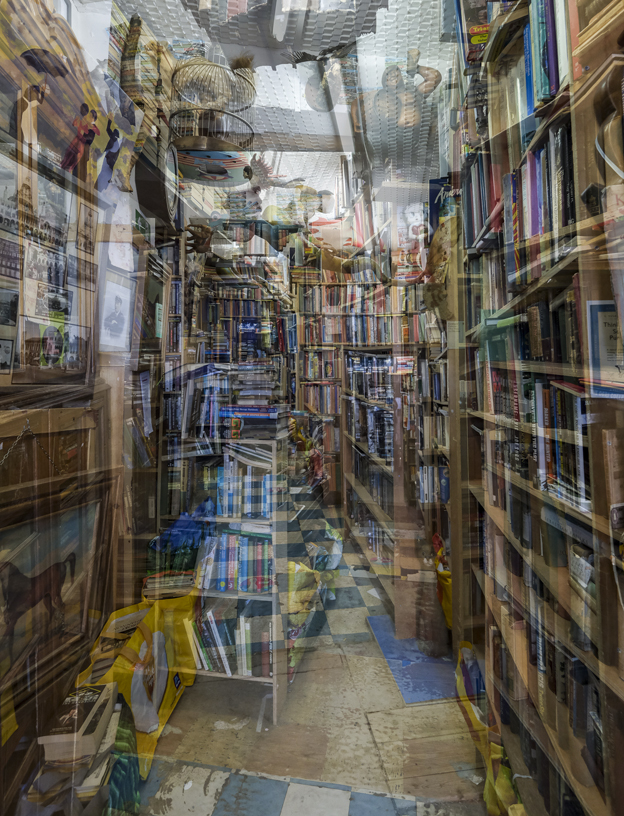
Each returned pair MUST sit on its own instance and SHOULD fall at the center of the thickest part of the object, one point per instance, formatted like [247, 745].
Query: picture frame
[65, 538]
[53, 300]
[81, 272]
[9, 306]
[7, 347]
[606, 351]
[43, 264]
[86, 229]
[116, 312]
[55, 352]
[10, 257]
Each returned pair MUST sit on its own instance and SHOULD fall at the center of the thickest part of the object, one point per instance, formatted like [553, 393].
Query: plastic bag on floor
[152, 668]
[302, 584]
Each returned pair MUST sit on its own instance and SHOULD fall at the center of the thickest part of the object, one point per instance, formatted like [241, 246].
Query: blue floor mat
[419, 677]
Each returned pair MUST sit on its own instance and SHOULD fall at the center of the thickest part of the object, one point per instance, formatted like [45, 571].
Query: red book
[232, 561]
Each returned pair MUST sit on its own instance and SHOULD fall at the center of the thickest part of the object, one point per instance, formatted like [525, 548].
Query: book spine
[551, 46]
[259, 570]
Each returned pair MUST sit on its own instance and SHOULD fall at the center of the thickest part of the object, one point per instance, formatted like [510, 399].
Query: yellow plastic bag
[302, 583]
[152, 668]
[499, 794]
[445, 584]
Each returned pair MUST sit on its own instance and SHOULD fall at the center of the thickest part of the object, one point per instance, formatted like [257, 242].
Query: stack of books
[78, 747]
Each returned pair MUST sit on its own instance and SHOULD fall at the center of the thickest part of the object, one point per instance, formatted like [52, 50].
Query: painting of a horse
[21, 593]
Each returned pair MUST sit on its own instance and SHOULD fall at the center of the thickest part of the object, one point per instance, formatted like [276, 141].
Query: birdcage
[212, 105]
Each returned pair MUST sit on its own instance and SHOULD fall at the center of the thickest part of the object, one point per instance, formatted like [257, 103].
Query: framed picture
[9, 306]
[10, 258]
[55, 351]
[6, 355]
[43, 264]
[606, 352]
[116, 311]
[81, 272]
[47, 566]
[86, 229]
[52, 301]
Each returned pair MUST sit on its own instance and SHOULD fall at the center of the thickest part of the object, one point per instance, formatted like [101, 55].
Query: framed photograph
[6, 355]
[86, 229]
[10, 258]
[43, 264]
[116, 311]
[54, 351]
[53, 301]
[9, 306]
[81, 272]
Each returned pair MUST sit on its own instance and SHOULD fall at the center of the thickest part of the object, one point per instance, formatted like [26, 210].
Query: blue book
[243, 563]
[528, 70]
[220, 491]
[445, 485]
[222, 564]
[537, 11]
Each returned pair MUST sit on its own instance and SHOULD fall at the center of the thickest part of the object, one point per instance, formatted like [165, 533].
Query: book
[77, 727]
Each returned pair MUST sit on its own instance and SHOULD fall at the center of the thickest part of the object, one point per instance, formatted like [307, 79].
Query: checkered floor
[358, 592]
[179, 788]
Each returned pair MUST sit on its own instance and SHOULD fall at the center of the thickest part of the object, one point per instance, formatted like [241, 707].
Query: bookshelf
[541, 409]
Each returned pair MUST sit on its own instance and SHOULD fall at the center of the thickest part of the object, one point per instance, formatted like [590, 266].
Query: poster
[9, 303]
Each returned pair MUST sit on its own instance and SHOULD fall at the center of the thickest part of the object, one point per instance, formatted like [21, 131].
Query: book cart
[541, 426]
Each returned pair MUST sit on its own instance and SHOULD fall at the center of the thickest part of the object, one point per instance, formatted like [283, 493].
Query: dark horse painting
[22, 593]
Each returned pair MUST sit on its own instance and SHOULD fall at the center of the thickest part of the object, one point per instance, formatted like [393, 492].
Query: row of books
[174, 335]
[246, 337]
[320, 364]
[175, 298]
[236, 561]
[352, 298]
[372, 426]
[243, 488]
[232, 637]
[370, 375]
[246, 307]
[545, 438]
[433, 484]
[322, 397]
[380, 485]
[536, 671]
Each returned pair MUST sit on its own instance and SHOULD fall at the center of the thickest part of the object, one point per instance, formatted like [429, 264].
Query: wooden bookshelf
[540, 406]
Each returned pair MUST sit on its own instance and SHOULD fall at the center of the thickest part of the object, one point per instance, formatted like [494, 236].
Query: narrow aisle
[345, 725]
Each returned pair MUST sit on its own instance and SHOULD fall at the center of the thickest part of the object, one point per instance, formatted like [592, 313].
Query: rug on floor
[419, 677]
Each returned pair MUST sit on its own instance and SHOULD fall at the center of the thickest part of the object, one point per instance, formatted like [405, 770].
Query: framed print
[53, 301]
[81, 272]
[62, 549]
[55, 351]
[606, 351]
[10, 258]
[6, 355]
[9, 306]
[116, 310]
[42, 264]
[86, 230]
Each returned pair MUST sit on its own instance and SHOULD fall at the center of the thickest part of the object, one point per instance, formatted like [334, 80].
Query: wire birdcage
[212, 104]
